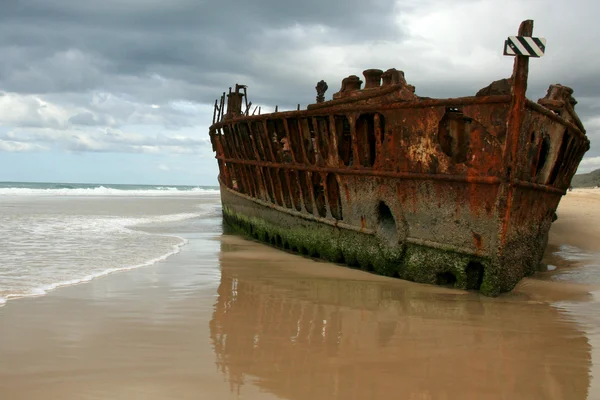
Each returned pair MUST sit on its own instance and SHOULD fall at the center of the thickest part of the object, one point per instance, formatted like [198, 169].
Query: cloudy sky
[121, 91]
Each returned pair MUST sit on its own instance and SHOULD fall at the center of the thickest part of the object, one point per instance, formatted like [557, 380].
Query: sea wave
[48, 251]
[43, 290]
[107, 191]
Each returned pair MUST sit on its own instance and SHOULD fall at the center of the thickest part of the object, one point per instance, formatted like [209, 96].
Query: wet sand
[233, 319]
[578, 222]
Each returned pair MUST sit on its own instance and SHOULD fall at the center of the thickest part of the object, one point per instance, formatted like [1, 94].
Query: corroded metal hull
[449, 191]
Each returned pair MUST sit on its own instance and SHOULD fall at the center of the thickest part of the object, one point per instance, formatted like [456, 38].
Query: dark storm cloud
[64, 45]
[111, 64]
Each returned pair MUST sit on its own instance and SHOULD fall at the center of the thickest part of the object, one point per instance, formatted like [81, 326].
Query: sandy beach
[228, 318]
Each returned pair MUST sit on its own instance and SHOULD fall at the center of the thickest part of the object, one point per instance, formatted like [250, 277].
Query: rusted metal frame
[262, 189]
[333, 148]
[256, 176]
[303, 215]
[311, 191]
[534, 166]
[343, 225]
[304, 176]
[257, 141]
[221, 108]
[378, 140]
[218, 138]
[516, 116]
[226, 171]
[302, 147]
[227, 139]
[371, 172]
[569, 109]
[232, 142]
[244, 149]
[557, 118]
[235, 176]
[537, 186]
[237, 140]
[215, 111]
[487, 180]
[250, 179]
[242, 180]
[358, 97]
[246, 140]
[366, 108]
[287, 175]
[276, 171]
[252, 141]
[356, 160]
[269, 144]
[328, 200]
[328, 212]
[557, 168]
[255, 179]
[318, 135]
[302, 192]
[289, 139]
[572, 167]
[294, 172]
[572, 150]
[269, 182]
[317, 177]
[228, 143]
[274, 178]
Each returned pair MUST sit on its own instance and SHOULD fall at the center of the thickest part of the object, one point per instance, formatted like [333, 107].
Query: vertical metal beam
[289, 140]
[513, 127]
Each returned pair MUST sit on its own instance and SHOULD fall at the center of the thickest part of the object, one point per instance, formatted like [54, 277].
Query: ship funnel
[234, 102]
[393, 77]
[372, 78]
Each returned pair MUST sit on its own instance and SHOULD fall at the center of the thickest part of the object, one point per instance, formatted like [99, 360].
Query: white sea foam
[46, 244]
[42, 290]
[106, 191]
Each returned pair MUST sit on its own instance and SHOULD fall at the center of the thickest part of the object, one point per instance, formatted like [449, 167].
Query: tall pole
[516, 115]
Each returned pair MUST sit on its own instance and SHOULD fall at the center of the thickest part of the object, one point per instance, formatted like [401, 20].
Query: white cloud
[107, 140]
[163, 167]
[133, 91]
[589, 164]
[106, 123]
[10, 146]
[31, 111]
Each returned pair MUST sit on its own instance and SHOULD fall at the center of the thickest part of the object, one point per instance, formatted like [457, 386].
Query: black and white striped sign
[524, 46]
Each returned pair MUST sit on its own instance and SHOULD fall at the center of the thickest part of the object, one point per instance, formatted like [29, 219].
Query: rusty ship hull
[459, 191]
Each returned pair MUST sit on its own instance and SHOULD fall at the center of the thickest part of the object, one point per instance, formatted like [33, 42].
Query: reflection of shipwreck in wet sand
[452, 191]
[315, 338]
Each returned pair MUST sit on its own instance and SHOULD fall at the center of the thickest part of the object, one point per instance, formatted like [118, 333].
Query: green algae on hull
[407, 261]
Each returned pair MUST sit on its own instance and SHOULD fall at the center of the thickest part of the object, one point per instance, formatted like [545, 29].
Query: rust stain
[347, 191]
[495, 162]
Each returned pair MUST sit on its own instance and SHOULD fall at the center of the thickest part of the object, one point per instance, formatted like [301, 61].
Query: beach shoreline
[219, 318]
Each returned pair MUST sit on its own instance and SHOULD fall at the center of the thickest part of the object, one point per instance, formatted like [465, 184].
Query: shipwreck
[455, 191]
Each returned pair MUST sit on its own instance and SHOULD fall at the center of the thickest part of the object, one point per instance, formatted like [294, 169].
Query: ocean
[229, 318]
[57, 234]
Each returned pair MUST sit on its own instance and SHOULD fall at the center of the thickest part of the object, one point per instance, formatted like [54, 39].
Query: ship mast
[519, 47]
